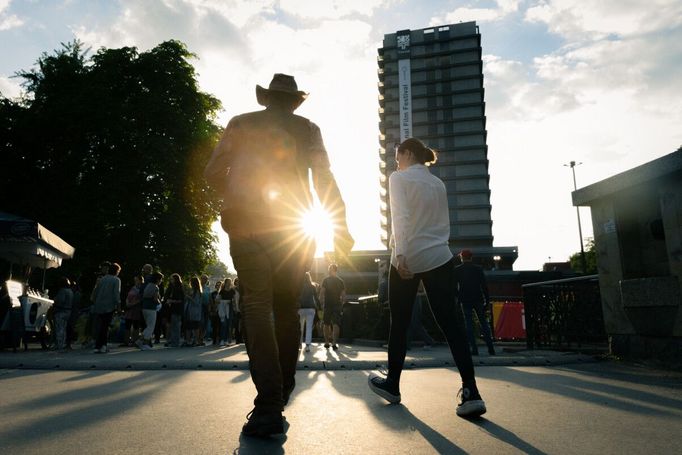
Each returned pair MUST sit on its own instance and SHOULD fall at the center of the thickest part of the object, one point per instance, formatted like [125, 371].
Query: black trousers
[102, 324]
[440, 289]
[271, 269]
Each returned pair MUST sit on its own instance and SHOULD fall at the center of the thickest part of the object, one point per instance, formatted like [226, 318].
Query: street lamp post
[583, 260]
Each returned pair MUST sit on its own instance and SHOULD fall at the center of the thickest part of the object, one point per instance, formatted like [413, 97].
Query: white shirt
[420, 219]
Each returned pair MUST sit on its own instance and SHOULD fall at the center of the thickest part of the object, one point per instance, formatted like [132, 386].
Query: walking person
[151, 299]
[474, 296]
[175, 298]
[193, 312]
[309, 303]
[420, 253]
[63, 306]
[332, 296]
[261, 168]
[107, 297]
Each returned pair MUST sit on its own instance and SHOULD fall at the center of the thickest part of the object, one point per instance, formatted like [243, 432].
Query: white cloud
[576, 19]
[8, 21]
[466, 14]
[9, 88]
[330, 9]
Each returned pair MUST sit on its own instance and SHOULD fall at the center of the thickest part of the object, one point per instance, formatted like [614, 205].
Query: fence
[561, 312]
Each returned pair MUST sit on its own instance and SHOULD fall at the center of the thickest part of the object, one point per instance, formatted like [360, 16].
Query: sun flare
[317, 223]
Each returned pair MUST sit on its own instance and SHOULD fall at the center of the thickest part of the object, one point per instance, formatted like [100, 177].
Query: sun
[317, 223]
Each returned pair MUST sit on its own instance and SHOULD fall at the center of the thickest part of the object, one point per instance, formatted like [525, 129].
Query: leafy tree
[590, 259]
[108, 150]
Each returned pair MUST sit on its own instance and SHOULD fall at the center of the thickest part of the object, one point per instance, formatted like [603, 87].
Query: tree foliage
[108, 152]
[590, 259]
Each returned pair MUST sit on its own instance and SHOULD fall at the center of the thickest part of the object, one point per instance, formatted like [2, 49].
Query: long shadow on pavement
[88, 406]
[507, 436]
[400, 419]
[587, 383]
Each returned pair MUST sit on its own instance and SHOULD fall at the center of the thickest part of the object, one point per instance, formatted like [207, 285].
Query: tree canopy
[590, 259]
[108, 151]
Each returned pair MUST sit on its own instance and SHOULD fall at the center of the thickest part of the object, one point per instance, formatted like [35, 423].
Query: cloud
[330, 9]
[8, 21]
[590, 19]
[466, 14]
[9, 88]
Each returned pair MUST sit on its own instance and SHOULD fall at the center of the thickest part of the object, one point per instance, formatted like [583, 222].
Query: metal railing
[562, 312]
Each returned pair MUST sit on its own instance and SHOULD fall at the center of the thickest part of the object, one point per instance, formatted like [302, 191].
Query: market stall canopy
[25, 241]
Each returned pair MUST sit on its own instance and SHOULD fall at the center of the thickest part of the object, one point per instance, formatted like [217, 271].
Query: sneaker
[104, 349]
[263, 423]
[427, 347]
[146, 347]
[327, 345]
[470, 403]
[384, 387]
[335, 347]
[139, 343]
[97, 351]
[222, 344]
[307, 348]
[491, 351]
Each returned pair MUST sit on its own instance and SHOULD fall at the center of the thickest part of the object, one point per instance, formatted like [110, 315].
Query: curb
[349, 365]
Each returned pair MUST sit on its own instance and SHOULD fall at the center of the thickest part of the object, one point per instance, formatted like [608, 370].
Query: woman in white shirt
[420, 253]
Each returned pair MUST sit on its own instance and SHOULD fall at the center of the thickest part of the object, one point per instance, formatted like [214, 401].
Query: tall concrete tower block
[431, 88]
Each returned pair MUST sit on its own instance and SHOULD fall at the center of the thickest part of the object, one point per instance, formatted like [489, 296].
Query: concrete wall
[638, 238]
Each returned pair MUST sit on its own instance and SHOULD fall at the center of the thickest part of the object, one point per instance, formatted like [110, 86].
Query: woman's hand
[403, 270]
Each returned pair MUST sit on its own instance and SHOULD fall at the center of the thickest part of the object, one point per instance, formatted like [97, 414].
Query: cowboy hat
[281, 83]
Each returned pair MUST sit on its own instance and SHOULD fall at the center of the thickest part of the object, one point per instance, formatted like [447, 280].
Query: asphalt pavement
[128, 402]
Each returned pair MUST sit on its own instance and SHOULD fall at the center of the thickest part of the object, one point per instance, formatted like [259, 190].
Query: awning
[25, 241]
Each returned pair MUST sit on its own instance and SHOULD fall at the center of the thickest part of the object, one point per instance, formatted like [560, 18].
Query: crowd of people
[152, 309]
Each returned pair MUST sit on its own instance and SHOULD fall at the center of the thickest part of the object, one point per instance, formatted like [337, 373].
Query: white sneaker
[146, 347]
[96, 351]
[222, 344]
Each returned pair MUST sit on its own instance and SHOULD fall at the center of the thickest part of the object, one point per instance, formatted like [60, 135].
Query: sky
[598, 82]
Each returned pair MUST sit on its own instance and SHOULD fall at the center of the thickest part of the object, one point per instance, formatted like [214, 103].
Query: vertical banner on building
[404, 84]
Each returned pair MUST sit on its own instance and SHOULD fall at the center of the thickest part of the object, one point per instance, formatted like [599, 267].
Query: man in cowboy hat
[260, 168]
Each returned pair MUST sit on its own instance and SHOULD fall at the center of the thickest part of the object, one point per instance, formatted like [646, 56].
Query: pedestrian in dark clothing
[473, 294]
[332, 297]
[261, 168]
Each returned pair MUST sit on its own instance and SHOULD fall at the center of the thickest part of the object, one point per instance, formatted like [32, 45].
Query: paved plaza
[128, 402]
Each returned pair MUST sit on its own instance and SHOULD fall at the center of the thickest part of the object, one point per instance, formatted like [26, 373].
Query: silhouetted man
[473, 294]
[260, 167]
